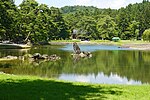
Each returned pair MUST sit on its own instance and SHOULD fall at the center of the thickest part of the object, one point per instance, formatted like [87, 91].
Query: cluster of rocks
[38, 56]
[86, 54]
[78, 52]
[82, 55]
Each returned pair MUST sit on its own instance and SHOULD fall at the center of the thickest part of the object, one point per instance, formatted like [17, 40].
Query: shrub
[146, 35]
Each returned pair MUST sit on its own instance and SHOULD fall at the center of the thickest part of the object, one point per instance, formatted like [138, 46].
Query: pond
[108, 64]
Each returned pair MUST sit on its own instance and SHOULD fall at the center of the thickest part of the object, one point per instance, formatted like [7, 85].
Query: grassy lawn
[33, 88]
[65, 40]
[105, 41]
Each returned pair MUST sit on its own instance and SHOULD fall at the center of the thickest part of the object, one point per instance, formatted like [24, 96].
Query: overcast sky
[114, 4]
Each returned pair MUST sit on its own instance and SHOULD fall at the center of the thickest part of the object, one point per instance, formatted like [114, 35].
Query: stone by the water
[78, 52]
[36, 56]
[76, 48]
[83, 55]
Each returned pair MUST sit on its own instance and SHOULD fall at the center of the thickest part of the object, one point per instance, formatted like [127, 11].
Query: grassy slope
[34, 88]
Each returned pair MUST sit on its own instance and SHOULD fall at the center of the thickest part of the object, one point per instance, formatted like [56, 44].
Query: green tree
[133, 30]
[62, 31]
[26, 20]
[106, 28]
[123, 23]
[7, 15]
[87, 26]
[146, 35]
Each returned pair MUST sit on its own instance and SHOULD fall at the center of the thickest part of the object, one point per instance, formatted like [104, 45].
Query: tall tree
[27, 18]
[7, 15]
[62, 31]
[107, 28]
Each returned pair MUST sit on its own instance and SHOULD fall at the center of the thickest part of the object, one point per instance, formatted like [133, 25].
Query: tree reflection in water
[126, 64]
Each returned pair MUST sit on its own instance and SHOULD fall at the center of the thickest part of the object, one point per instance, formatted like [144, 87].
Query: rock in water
[78, 52]
[76, 48]
[36, 56]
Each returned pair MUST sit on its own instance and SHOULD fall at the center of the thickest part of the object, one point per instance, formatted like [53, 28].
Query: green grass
[33, 88]
[121, 42]
[65, 40]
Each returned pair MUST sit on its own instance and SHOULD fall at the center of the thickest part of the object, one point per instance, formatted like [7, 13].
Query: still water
[108, 64]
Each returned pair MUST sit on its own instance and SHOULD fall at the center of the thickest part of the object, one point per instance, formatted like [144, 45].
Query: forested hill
[38, 22]
[75, 9]
[127, 23]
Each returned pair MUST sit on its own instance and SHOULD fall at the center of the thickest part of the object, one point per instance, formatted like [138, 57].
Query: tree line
[38, 22]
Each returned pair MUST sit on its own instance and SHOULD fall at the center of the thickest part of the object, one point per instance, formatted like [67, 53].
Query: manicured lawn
[33, 88]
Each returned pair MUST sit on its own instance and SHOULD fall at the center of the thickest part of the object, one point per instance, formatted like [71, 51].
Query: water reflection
[13, 52]
[105, 66]
[100, 78]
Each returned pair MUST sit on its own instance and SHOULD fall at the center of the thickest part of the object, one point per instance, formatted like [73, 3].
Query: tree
[7, 15]
[123, 23]
[27, 19]
[86, 26]
[61, 31]
[146, 35]
[133, 30]
[106, 28]
[41, 23]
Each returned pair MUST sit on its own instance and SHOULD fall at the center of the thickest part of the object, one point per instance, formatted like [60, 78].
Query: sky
[114, 4]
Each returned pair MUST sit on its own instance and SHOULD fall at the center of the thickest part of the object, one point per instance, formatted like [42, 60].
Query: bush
[146, 35]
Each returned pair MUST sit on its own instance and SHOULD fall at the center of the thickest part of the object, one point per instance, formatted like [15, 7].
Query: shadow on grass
[52, 90]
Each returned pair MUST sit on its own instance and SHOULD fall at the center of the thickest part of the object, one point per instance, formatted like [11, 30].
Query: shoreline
[138, 46]
[13, 46]
[132, 45]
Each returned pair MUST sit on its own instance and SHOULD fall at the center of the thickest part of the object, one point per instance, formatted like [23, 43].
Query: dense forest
[38, 22]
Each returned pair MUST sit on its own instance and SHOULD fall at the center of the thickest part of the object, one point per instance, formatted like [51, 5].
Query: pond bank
[15, 87]
[145, 46]
[137, 45]
[13, 46]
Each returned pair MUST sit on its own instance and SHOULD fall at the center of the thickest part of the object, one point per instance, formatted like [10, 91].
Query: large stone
[76, 48]
[36, 56]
